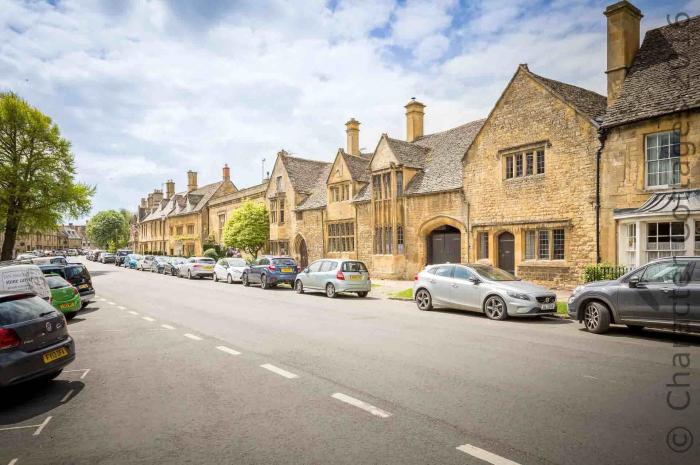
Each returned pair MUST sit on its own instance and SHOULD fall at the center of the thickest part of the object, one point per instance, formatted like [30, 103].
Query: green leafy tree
[211, 253]
[108, 229]
[248, 228]
[37, 173]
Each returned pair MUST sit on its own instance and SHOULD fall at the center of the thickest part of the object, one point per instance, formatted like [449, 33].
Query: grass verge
[406, 294]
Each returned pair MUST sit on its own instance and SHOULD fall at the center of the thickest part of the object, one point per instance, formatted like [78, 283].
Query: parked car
[270, 271]
[333, 277]
[71, 253]
[107, 257]
[132, 261]
[121, 256]
[664, 293]
[49, 261]
[24, 278]
[64, 296]
[34, 341]
[78, 275]
[26, 256]
[158, 264]
[173, 265]
[145, 262]
[197, 267]
[481, 288]
[229, 269]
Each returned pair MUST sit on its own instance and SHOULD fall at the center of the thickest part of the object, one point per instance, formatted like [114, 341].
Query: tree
[109, 229]
[37, 173]
[248, 228]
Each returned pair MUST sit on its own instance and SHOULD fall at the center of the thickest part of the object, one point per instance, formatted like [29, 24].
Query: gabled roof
[408, 154]
[303, 173]
[184, 203]
[664, 77]
[590, 103]
[318, 197]
[358, 166]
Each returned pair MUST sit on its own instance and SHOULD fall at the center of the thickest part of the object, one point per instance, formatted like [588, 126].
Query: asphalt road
[201, 372]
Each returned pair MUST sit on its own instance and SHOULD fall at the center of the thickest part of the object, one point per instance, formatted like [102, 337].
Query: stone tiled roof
[443, 161]
[184, 203]
[303, 173]
[241, 193]
[363, 195]
[664, 76]
[409, 154]
[358, 166]
[590, 103]
[318, 197]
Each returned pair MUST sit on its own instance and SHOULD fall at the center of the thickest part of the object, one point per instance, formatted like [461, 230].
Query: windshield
[56, 282]
[207, 261]
[493, 274]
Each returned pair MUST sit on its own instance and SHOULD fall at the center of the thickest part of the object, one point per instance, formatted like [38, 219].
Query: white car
[229, 270]
[24, 278]
[197, 267]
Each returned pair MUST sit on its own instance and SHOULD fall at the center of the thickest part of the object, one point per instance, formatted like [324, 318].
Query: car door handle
[666, 290]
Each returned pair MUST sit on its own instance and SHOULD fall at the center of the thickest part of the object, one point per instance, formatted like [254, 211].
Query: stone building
[222, 207]
[650, 166]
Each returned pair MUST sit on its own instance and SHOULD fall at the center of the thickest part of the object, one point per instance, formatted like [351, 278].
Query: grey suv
[664, 293]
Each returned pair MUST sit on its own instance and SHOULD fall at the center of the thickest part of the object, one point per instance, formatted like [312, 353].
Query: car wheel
[596, 317]
[424, 300]
[362, 294]
[215, 277]
[229, 278]
[244, 279]
[495, 308]
[635, 327]
[189, 274]
[299, 286]
[70, 316]
[330, 290]
[263, 281]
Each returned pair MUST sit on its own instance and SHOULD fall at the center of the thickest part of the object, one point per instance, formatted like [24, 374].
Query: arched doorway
[445, 245]
[506, 252]
[302, 252]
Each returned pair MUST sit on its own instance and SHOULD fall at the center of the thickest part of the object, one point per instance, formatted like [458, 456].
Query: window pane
[540, 161]
[544, 245]
[530, 244]
[444, 271]
[558, 246]
[518, 164]
[529, 164]
[509, 167]
[462, 273]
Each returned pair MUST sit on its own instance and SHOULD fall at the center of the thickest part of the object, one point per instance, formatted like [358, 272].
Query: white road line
[485, 455]
[279, 371]
[113, 330]
[111, 303]
[360, 404]
[84, 370]
[103, 299]
[120, 307]
[590, 377]
[227, 350]
[9, 428]
[133, 312]
[42, 426]
[65, 398]
[167, 326]
[148, 318]
[12, 462]
[193, 337]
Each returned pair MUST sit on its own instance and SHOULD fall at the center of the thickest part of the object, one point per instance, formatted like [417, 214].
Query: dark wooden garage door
[444, 245]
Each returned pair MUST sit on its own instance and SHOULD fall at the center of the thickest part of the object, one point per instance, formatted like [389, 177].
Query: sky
[147, 90]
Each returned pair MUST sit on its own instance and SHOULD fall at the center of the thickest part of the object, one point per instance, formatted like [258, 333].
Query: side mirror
[633, 281]
[306, 270]
[475, 280]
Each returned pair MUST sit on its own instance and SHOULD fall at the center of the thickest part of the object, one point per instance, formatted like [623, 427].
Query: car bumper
[285, 278]
[69, 306]
[18, 366]
[201, 273]
[87, 295]
[517, 307]
[349, 286]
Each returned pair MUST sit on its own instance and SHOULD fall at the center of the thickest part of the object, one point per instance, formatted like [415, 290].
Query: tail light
[272, 267]
[415, 278]
[340, 276]
[9, 339]
[298, 269]
[75, 290]
[195, 266]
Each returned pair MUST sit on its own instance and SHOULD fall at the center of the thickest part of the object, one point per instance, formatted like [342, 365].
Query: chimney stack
[150, 200]
[143, 202]
[414, 120]
[623, 43]
[169, 189]
[227, 172]
[157, 196]
[353, 132]
[191, 181]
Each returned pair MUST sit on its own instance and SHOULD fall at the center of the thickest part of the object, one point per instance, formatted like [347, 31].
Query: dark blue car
[270, 271]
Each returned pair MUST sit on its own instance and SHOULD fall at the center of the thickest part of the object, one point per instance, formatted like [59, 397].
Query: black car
[34, 340]
[664, 293]
[121, 255]
[78, 275]
[172, 265]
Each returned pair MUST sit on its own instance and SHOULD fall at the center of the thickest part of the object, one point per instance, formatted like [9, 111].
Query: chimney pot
[227, 172]
[353, 133]
[414, 120]
[623, 44]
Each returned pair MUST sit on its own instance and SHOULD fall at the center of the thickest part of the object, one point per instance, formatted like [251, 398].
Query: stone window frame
[190, 228]
[340, 236]
[482, 249]
[555, 242]
[675, 166]
[273, 211]
[339, 192]
[529, 158]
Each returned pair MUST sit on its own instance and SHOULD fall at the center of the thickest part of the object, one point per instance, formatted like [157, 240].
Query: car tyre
[362, 294]
[299, 286]
[229, 278]
[215, 277]
[70, 316]
[596, 317]
[495, 308]
[263, 282]
[330, 291]
[244, 279]
[189, 274]
[424, 300]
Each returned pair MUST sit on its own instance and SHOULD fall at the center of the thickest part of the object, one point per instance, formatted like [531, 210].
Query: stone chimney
[150, 200]
[157, 196]
[191, 181]
[227, 172]
[169, 189]
[414, 120]
[144, 204]
[353, 132]
[623, 43]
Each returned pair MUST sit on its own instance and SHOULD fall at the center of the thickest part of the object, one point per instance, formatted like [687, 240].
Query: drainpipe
[602, 134]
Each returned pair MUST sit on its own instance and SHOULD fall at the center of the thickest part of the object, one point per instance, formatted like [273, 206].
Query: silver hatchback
[334, 276]
[482, 288]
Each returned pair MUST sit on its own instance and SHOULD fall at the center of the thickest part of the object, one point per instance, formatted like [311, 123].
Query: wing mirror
[306, 270]
[634, 281]
[475, 280]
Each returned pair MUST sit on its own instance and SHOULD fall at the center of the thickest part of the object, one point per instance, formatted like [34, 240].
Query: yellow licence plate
[68, 305]
[55, 355]
[286, 270]
[83, 286]
[208, 267]
[355, 277]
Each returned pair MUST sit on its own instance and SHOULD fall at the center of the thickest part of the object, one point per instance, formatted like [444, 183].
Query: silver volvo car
[481, 288]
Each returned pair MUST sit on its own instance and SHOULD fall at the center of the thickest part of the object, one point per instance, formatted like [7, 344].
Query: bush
[211, 253]
[603, 272]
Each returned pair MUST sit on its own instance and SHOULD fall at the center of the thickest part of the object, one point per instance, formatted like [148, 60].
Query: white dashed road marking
[167, 327]
[120, 307]
[485, 455]
[133, 312]
[42, 426]
[148, 318]
[111, 303]
[193, 337]
[12, 462]
[84, 370]
[228, 351]
[279, 371]
[102, 299]
[362, 405]
[67, 396]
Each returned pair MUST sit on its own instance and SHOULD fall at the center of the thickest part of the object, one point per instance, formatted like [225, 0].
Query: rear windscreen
[21, 310]
[56, 282]
[206, 261]
[354, 266]
[75, 271]
[284, 262]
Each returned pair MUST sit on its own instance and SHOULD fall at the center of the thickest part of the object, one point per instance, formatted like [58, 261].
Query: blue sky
[148, 90]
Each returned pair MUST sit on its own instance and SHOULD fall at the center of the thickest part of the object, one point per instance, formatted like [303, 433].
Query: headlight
[517, 295]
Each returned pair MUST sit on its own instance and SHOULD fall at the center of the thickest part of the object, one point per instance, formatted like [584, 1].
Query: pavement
[176, 371]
